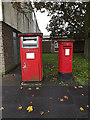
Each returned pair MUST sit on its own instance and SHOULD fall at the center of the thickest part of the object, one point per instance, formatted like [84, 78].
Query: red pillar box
[31, 56]
[65, 57]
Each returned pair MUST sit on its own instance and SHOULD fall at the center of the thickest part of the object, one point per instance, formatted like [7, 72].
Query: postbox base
[31, 83]
[65, 76]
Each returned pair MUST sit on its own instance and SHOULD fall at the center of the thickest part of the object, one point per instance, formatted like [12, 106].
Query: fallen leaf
[45, 112]
[80, 86]
[14, 74]
[68, 91]
[53, 80]
[82, 94]
[2, 108]
[50, 98]
[30, 102]
[48, 110]
[19, 108]
[41, 113]
[21, 87]
[81, 109]
[51, 69]
[75, 87]
[37, 88]
[87, 106]
[29, 88]
[66, 97]
[61, 100]
[33, 95]
[30, 108]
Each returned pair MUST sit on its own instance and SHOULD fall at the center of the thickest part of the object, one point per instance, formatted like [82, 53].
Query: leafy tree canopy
[67, 18]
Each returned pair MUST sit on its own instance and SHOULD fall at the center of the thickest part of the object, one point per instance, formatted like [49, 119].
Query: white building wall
[9, 15]
[16, 19]
[20, 19]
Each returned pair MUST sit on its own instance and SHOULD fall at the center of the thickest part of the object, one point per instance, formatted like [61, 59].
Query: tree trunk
[87, 36]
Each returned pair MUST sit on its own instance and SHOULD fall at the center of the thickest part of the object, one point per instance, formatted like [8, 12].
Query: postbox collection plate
[67, 51]
[30, 56]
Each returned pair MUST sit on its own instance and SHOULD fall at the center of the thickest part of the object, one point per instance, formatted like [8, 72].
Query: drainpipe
[35, 22]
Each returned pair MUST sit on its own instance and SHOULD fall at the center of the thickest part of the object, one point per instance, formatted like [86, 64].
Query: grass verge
[79, 70]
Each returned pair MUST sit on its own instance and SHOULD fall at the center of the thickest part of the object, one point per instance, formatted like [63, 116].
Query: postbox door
[30, 65]
[68, 59]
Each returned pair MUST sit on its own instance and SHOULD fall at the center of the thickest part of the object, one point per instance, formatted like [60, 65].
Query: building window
[55, 44]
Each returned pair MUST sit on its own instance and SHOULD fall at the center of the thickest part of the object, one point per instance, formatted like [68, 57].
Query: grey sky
[43, 20]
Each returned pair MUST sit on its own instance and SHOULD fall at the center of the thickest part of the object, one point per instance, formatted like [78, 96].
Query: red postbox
[31, 56]
[65, 56]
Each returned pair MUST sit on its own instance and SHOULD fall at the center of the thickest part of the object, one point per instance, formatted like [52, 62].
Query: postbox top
[31, 34]
[65, 40]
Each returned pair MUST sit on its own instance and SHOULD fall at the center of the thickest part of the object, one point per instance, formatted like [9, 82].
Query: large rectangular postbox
[31, 56]
[65, 56]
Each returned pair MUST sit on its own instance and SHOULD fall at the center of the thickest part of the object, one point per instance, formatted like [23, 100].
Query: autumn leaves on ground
[47, 101]
[79, 70]
[30, 101]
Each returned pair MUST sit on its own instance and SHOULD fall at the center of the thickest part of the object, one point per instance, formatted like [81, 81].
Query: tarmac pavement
[51, 101]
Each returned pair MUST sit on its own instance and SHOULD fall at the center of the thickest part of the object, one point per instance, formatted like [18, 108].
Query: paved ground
[46, 100]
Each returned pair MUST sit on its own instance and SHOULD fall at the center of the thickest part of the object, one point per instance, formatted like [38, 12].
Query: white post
[1, 15]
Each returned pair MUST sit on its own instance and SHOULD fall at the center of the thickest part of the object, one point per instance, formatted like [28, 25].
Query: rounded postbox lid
[65, 40]
[31, 34]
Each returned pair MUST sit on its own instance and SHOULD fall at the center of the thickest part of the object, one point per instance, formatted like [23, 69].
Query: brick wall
[2, 67]
[7, 35]
[0, 46]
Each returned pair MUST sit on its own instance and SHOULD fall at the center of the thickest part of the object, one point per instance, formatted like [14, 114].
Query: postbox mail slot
[32, 42]
[66, 46]
[30, 56]
[29, 42]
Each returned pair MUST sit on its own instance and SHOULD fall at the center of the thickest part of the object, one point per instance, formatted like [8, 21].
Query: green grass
[79, 70]
[50, 66]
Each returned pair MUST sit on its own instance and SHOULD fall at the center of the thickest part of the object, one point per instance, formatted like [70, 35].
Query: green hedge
[78, 46]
